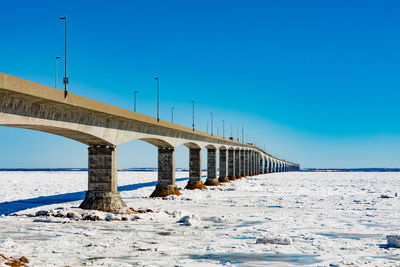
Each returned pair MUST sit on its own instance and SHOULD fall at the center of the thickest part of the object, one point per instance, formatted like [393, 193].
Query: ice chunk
[386, 196]
[393, 241]
[275, 240]
[42, 213]
[190, 220]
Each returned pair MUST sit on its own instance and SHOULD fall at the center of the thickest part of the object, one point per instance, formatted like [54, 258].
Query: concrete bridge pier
[166, 174]
[265, 165]
[102, 191]
[261, 160]
[231, 164]
[223, 178]
[237, 164]
[269, 166]
[246, 163]
[253, 163]
[195, 181]
[242, 163]
[212, 179]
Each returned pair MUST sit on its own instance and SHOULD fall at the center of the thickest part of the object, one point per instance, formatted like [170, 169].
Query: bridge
[102, 127]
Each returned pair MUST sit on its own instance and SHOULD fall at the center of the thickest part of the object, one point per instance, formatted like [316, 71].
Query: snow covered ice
[335, 219]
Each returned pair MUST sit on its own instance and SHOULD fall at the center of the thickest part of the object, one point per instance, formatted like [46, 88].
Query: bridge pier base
[237, 164]
[246, 163]
[102, 191]
[195, 181]
[222, 167]
[212, 179]
[231, 164]
[166, 174]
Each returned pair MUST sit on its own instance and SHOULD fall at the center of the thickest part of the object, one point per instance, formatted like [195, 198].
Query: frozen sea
[333, 219]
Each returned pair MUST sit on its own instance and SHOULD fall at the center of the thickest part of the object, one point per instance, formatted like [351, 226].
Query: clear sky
[314, 82]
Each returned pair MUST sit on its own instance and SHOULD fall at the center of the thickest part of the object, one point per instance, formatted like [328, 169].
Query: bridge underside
[68, 133]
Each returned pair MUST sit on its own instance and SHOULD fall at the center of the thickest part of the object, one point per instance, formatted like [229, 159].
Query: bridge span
[29, 105]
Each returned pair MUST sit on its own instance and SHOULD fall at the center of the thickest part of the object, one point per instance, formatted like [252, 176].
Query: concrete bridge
[28, 105]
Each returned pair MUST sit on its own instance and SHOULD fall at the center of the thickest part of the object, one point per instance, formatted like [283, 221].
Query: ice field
[326, 219]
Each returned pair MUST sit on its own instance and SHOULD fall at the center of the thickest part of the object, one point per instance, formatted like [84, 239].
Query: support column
[166, 174]
[223, 177]
[195, 181]
[266, 165]
[102, 191]
[246, 163]
[242, 163]
[257, 163]
[212, 179]
[251, 163]
[237, 164]
[231, 164]
[262, 170]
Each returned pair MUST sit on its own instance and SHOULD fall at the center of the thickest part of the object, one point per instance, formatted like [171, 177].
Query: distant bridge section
[28, 105]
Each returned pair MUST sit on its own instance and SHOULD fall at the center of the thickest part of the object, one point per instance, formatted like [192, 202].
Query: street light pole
[223, 129]
[57, 58]
[158, 99]
[172, 115]
[193, 115]
[211, 123]
[65, 81]
[134, 101]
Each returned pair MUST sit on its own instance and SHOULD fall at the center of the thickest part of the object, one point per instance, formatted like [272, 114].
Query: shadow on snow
[9, 207]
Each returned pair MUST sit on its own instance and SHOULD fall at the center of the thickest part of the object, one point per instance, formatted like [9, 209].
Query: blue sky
[314, 82]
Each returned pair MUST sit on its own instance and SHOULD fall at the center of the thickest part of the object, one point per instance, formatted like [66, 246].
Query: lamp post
[158, 98]
[172, 115]
[211, 114]
[223, 129]
[57, 58]
[134, 101]
[65, 80]
[193, 115]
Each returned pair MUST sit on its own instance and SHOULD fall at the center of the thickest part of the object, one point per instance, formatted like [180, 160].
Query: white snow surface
[331, 219]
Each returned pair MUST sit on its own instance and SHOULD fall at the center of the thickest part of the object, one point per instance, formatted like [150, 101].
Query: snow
[335, 219]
